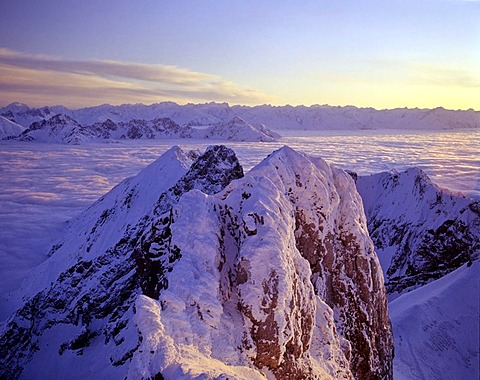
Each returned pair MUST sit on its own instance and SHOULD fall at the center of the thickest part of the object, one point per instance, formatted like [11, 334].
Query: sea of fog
[43, 185]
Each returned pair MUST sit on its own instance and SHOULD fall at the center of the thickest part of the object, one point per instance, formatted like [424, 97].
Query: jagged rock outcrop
[421, 232]
[223, 276]
[319, 222]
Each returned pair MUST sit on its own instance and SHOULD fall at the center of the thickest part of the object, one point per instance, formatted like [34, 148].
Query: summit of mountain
[269, 273]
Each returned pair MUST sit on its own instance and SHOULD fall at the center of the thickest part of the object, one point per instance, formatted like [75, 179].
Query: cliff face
[224, 275]
[322, 227]
[421, 232]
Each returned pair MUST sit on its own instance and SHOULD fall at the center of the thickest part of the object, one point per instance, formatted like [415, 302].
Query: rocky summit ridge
[195, 269]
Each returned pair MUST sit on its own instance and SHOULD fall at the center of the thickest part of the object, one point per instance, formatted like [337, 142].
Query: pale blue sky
[385, 54]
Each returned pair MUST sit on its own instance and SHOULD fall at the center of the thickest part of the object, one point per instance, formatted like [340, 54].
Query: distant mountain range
[71, 127]
[193, 117]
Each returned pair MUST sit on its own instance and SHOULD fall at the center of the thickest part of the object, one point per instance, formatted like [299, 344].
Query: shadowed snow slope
[9, 128]
[108, 220]
[421, 232]
[273, 276]
[437, 328]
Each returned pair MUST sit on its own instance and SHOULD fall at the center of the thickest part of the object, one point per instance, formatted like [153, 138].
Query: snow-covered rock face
[421, 232]
[278, 274]
[271, 274]
[316, 241]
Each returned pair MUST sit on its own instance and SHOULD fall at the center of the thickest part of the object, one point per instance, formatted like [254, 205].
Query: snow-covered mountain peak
[421, 231]
[237, 120]
[273, 276]
[309, 217]
[17, 107]
[62, 119]
[59, 128]
[239, 130]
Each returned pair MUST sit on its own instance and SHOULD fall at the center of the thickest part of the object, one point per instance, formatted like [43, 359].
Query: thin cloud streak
[143, 72]
[79, 83]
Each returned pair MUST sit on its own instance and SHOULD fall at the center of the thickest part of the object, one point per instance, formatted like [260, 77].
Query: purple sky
[385, 54]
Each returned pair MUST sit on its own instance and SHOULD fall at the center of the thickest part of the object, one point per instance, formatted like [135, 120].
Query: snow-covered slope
[436, 328]
[274, 275]
[8, 128]
[88, 286]
[421, 232]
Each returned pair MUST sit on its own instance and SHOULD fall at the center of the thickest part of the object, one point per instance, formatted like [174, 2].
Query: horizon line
[246, 106]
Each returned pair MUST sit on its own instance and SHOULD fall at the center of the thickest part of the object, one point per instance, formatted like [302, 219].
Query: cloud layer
[40, 80]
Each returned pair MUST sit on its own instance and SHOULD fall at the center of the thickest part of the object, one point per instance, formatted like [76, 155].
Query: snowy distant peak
[421, 231]
[59, 128]
[160, 127]
[17, 107]
[60, 119]
[202, 120]
[238, 129]
[134, 128]
[237, 120]
[165, 122]
[108, 125]
[25, 116]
